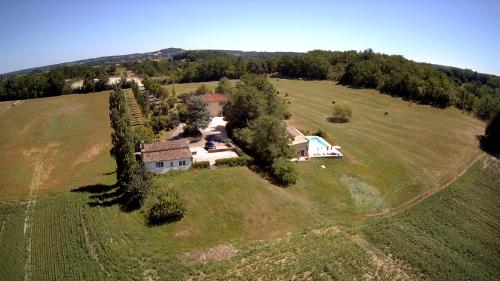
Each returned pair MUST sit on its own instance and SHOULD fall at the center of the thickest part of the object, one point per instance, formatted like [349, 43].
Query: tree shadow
[153, 223]
[109, 173]
[103, 195]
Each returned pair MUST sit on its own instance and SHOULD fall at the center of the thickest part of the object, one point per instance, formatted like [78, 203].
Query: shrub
[165, 207]
[284, 171]
[235, 161]
[201, 165]
[341, 113]
[240, 151]
[320, 133]
[191, 131]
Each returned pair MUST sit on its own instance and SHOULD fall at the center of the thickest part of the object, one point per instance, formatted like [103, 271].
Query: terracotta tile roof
[166, 150]
[214, 97]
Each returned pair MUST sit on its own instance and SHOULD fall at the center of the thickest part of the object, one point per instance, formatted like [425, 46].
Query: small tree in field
[341, 113]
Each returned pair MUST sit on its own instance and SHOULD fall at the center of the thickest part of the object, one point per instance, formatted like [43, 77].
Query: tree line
[133, 181]
[425, 83]
[57, 82]
[420, 82]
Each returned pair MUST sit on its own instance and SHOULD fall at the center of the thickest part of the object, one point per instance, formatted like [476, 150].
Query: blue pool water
[319, 141]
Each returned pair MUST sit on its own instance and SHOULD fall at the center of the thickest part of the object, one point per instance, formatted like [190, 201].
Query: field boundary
[419, 198]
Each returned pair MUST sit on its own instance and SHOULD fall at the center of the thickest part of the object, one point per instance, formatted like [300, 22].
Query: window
[182, 163]
[221, 103]
[171, 164]
[159, 164]
[302, 153]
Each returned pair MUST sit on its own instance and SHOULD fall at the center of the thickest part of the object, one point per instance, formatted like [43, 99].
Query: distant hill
[163, 53]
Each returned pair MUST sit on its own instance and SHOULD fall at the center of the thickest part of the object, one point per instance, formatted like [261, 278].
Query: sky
[458, 33]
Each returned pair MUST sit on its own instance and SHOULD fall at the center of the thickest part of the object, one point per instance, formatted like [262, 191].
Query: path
[421, 197]
[28, 224]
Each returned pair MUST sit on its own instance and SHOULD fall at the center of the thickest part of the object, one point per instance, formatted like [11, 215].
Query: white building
[165, 156]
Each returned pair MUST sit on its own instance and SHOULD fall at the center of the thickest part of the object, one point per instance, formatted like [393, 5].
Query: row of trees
[133, 180]
[255, 116]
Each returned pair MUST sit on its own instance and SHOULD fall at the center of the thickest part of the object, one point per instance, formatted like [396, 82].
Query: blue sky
[459, 33]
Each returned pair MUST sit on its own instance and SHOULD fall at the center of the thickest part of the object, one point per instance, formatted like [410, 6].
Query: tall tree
[198, 116]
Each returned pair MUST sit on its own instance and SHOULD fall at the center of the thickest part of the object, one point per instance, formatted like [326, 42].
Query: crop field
[136, 118]
[55, 143]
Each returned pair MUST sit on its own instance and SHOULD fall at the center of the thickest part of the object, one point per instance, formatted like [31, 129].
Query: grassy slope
[454, 234]
[68, 135]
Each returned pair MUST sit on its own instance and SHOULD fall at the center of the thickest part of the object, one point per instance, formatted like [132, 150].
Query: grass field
[304, 231]
[55, 143]
[388, 158]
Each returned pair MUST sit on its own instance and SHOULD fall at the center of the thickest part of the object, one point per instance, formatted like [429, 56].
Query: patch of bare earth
[217, 253]
[90, 153]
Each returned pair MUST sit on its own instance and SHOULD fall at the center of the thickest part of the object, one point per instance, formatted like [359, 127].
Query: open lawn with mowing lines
[67, 136]
[414, 149]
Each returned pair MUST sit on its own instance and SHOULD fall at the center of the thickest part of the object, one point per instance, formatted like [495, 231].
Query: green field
[55, 143]
[306, 231]
[453, 235]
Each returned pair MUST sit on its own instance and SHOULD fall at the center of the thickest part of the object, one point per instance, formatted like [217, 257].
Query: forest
[439, 86]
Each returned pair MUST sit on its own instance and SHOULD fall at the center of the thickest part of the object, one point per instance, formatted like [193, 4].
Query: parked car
[210, 137]
[209, 145]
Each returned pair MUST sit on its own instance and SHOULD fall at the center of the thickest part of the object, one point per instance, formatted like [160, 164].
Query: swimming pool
[318, 141]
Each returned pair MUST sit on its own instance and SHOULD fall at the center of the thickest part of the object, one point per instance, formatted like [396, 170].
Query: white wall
[166, 166]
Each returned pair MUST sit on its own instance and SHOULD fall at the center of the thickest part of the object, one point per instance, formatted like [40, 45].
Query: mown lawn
[67, 136]
[388, 158]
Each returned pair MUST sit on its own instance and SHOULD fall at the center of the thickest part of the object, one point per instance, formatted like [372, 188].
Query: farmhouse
[165, 156]
[215, 103]
[311, 146]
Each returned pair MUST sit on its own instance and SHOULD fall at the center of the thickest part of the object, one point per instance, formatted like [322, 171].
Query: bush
[201, 165]
[320, 133]
[341, 113]
[240, 151]
[191, 131]
[165, 207]
[235, 161]
[284, 171]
